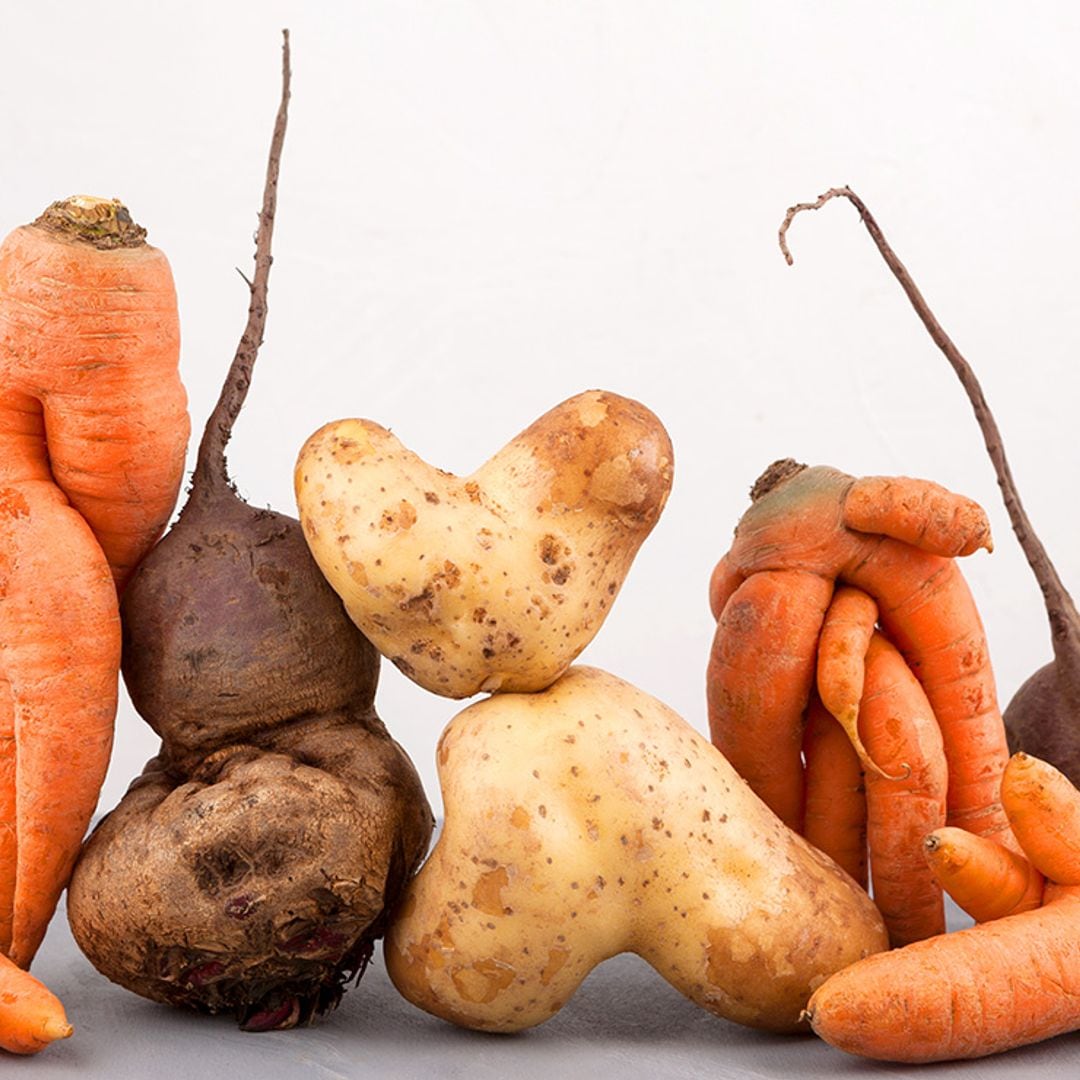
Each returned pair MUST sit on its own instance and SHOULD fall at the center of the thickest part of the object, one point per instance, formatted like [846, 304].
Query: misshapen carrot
[918, 512]
[760, 675]
[987, 879]
[996, 986]
[905, 802]
[31, 1016]
[89, 345]
[61, 657]
[796, 522]
[1044, 809]
[834, 820]
[841, 660]
[93, 429]
[968, 994]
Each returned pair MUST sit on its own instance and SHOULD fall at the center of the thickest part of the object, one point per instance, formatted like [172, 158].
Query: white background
[486, 207]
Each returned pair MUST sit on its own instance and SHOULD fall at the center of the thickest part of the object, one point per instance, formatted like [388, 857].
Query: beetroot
[1043, 717]
[253, 863]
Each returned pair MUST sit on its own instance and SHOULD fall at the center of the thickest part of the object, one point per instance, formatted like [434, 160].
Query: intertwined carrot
[761, 672]
[802, 525]
[835, 817]
[906, 800]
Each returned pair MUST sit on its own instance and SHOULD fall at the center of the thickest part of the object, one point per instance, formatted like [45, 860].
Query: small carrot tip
[931, 842]
[54, 1028]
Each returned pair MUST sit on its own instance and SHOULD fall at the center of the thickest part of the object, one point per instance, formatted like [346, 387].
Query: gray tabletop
[625, 1019]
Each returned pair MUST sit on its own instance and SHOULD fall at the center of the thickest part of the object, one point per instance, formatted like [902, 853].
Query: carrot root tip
[54, 1028]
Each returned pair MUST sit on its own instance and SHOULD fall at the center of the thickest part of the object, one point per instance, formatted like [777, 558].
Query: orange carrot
[93, 430]
[918, 512]
[834, 820]
[999, 985]
[60, 624]
[907, 802]
[722, 585]
[31, 1016]
[995, 986]
[1044, 809]
[89, 343]
[761, 672]
[925, 607]
[841, 662]
[987, 879]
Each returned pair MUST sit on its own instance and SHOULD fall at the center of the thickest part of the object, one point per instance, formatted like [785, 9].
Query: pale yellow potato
[494, 581]
[590, 820]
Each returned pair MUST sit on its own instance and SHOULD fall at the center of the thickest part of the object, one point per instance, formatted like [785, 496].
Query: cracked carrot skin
[967, 994]
[906, 803]
[834, 820]
[31, 1016]
[797, 523]
[1044, 809]
[918, 512]
[987, 879]
[760, 674]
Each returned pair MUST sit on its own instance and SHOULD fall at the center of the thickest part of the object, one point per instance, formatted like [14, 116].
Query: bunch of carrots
[850, 684]
[93, 433]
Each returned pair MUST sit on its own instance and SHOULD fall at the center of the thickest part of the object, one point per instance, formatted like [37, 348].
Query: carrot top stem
[211, 473]
[1062, 613]
[103, 223]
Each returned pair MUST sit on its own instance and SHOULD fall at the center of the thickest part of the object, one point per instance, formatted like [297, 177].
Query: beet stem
[211, 472]
[1062, 613]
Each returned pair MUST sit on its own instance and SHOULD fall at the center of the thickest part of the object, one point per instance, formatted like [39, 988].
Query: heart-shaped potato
[498, 580]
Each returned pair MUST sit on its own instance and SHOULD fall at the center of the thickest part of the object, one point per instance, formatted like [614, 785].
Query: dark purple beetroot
[1043, 717]
[252, 864]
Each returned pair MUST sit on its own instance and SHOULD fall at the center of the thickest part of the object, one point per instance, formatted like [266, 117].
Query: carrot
[1001, 984]
[834, 820]
[760, 675]
[918, 512]
[722, 585]
[841, 660]
[60, 625]
[905, 802]
[975, 992]
[1044, 809]
[925, 607]
[93, 430]
[31, 1016]
[987, 879]
[89, 343]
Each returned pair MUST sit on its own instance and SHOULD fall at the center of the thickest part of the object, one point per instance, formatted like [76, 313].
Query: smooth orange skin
[31, 1016]
[834, 820]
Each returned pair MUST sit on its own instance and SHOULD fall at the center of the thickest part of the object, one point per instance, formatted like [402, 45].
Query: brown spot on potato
[487, 891]
[431, 497]
[556, 960]
[483, 981]
[549, 550]
[472, 489]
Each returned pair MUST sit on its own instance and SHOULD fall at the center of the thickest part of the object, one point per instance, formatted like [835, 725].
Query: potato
[496, 581]
[590, 820]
